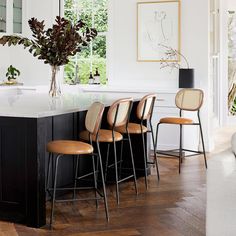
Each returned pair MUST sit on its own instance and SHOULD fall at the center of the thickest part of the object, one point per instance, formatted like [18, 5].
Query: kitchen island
[29, 119]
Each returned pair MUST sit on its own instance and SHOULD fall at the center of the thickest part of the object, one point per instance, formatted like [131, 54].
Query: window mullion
[77, 57]
[91, 43]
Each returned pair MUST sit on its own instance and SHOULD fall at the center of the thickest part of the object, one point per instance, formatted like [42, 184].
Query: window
[94, 13]
[232, 62]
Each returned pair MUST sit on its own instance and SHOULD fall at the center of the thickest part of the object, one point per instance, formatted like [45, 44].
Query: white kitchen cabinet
[11, 16]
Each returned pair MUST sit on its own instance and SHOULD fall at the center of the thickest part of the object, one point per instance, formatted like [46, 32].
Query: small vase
[55, 86]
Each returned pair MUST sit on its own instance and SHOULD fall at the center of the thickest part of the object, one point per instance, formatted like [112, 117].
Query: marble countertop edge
[34, 101]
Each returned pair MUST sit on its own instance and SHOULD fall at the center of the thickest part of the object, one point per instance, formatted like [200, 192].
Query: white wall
[123, 49]
[33, 71]
[194, 43]
[231, 5]
[4, 62]
[124, 43]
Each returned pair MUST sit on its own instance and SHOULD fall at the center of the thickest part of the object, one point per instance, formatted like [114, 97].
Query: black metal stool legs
[155, 155]
[144, 158]
[48, 172]
[54, 191]
[180, 146]
[118, 176]
[181, 149]
[76, 177]
[107, 157]
[95, 181]
[116, 171]
[103, 181]
[121, 157]
[132, 160]
[155, 145]
[203, 146]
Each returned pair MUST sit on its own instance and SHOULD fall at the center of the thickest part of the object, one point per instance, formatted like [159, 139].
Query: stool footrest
[126, 178]
[170, 152]
[166, 153]
[111, 165]
[77, 188]
[79, 199]
[188, 150]
[86, 175]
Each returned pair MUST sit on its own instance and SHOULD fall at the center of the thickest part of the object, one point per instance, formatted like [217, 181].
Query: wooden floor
[174, 206]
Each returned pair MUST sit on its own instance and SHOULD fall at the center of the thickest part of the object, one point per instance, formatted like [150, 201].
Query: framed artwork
[158, 28]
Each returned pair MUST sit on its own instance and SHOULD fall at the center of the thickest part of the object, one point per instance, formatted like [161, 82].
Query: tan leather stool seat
[69, 147]
[133, 128]
[104, 136]
[176, 120]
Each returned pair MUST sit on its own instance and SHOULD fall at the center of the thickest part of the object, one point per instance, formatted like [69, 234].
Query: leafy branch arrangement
[172, 58]
[55, 44]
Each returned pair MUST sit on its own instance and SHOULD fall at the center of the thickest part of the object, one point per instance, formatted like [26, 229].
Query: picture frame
[158, 28]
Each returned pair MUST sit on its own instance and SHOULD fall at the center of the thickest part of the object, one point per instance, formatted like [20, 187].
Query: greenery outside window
[94, 14]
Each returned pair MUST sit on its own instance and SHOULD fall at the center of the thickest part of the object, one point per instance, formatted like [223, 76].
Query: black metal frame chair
[115, 118]
[77, 148]
[186, 100]
[118, 114]
[144, 113]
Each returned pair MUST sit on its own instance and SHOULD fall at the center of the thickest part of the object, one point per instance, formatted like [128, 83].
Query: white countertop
[34, 102]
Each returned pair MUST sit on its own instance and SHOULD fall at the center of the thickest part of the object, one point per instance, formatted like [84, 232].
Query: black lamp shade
[186, 78]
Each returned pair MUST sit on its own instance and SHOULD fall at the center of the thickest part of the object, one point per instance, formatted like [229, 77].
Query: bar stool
[118, 114]
[80, 150]
[185, 100]
[144, 113]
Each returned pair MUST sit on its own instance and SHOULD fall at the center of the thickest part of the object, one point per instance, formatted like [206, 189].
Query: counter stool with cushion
[81, 150]
[185, 100]
[144, 114]
[118, 114]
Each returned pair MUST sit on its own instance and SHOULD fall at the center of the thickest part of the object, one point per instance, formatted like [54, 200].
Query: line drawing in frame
[158, 27]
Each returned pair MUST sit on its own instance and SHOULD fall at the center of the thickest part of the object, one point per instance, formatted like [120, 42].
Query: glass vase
[55, 86]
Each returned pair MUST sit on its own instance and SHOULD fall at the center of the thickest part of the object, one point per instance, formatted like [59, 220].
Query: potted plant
[12, 74]
[55, 45]
[172, 60]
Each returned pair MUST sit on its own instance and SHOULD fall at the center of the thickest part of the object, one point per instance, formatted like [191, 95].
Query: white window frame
[104, 34]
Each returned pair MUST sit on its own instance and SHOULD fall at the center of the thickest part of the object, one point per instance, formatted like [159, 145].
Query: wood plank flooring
[174, 206]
